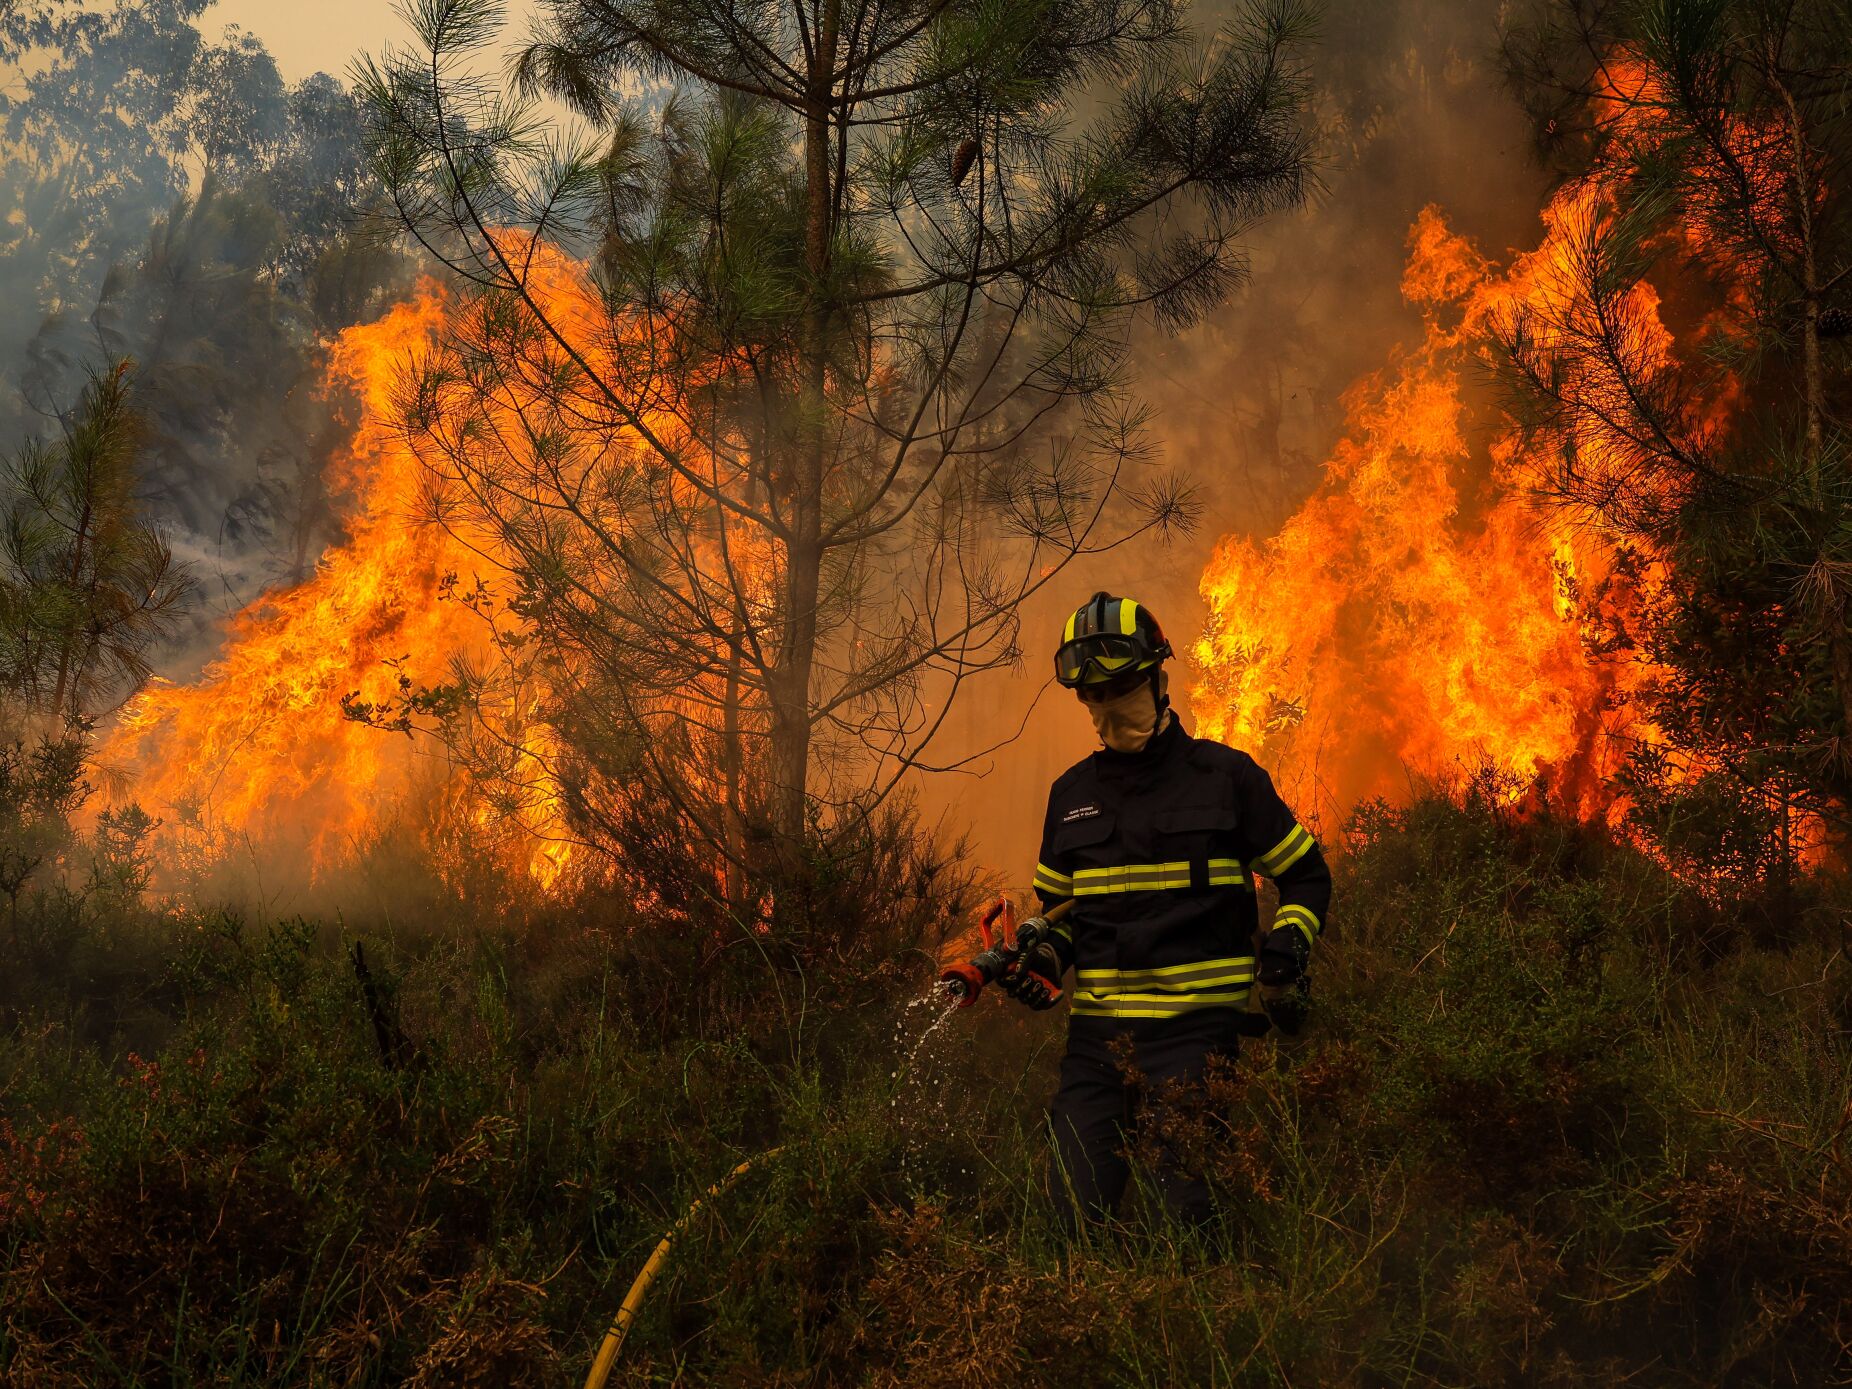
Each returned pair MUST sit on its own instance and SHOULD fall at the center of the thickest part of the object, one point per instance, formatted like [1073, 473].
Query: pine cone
[1835, 323]
[962, 159]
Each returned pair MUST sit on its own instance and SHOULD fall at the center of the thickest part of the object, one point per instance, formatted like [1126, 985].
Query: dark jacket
[1159, 849]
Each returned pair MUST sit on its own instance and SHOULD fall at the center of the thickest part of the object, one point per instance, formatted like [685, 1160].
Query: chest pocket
[1198, 841]
[1082, 843]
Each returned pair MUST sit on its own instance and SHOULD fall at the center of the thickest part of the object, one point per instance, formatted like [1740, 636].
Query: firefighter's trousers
[1096, 1110]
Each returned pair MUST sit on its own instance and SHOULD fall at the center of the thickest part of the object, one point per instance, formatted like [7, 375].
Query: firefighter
[1158, 838]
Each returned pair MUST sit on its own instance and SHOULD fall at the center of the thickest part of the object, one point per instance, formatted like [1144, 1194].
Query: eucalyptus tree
[796, 360]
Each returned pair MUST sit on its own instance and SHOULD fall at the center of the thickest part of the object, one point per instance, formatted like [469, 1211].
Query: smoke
[1410, 112]
[176, 204]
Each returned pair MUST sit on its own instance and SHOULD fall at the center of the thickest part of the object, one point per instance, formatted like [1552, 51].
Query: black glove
[1033, 982]
[1283, 956]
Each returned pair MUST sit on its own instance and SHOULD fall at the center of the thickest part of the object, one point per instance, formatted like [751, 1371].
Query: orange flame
[259, 747]
[1421, 615]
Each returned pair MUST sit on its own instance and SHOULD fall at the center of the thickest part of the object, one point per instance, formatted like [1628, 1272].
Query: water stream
[921, 1103]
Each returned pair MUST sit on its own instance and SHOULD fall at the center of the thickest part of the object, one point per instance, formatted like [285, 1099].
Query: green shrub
[1533, 1135]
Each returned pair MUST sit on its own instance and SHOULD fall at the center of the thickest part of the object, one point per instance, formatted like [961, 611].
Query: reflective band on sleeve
[1154, 877]
[1303, 917]
[1053, 883]
[1285, 854]
[1168, 992]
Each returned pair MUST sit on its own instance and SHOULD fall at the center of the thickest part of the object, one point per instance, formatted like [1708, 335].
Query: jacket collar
[1160, 746]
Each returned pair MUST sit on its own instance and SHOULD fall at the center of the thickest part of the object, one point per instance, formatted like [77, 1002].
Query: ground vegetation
[1557, 1118]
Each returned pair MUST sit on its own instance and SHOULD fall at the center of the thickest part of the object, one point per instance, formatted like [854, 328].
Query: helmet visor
[1097, 657]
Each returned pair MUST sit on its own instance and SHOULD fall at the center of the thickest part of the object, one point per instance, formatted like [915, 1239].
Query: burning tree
[783, 390]
[1711, 141]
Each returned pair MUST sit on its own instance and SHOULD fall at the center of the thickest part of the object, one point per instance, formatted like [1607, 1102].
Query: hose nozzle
[966, 980]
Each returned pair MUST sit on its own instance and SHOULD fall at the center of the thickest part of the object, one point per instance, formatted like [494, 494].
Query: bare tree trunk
[790, 682]
[67, 678]
[790, 685]
[1785, 885]
[733, 772]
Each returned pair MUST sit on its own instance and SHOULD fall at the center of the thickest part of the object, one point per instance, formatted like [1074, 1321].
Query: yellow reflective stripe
[1165, 974]
[1138, 1006]
[1049, 881]
[1128, 616]
[1208, 984]
[1104, 980]
[1154, 877]
[1166, 991]
[1224, 995]
[1068, 635]
[1286, 853]
[1303, 917]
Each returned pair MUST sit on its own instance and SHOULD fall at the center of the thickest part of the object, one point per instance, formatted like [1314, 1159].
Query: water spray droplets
[920, 1104]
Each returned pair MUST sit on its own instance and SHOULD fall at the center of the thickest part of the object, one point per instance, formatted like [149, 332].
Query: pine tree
[856, 385]
[1713, 143]
[87, 585]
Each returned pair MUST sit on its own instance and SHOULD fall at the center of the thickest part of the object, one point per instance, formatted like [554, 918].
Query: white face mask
[1127, 723]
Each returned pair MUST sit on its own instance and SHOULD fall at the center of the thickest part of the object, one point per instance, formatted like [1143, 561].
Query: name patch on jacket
[1080, 812]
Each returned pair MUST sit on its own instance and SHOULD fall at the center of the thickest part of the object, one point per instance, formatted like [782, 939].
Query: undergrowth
[1556, 1120]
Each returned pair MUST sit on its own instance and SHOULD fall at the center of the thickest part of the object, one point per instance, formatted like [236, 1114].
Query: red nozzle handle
[999, 908]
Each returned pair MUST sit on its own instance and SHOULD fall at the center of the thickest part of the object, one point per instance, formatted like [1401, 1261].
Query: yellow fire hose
[633, 1300]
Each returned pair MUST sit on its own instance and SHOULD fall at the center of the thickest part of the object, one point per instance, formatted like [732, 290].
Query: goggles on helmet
[1101, 656]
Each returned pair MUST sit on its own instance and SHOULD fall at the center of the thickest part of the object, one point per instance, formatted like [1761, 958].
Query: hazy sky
[306, 36]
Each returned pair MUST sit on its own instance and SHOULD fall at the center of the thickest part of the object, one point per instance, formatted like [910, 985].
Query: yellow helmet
[1107, 637]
